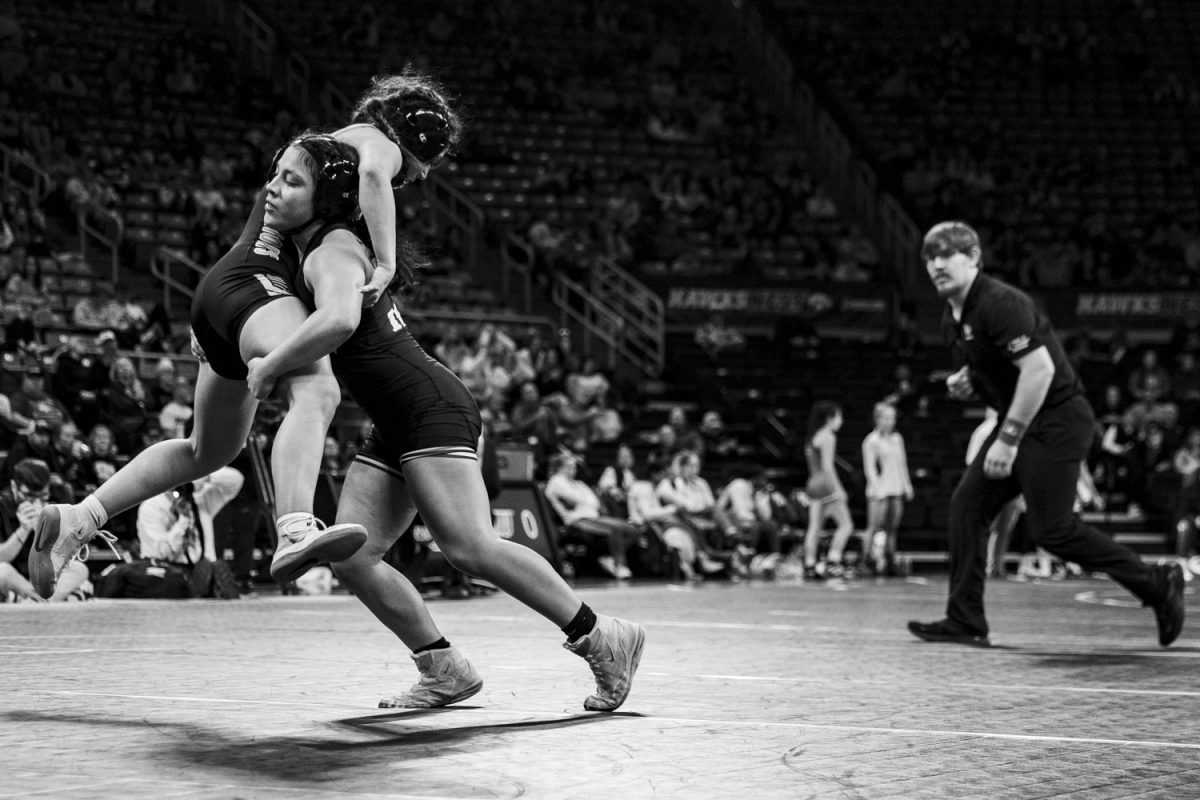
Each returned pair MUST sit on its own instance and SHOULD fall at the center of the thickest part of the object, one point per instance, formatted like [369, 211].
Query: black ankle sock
[582, 624]
[440, 644]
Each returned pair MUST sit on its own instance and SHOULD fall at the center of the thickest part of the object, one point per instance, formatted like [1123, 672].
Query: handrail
[22, 173]
[112, 241]
[162, 265]
[575, 303]
[642, 309]
[459, 210]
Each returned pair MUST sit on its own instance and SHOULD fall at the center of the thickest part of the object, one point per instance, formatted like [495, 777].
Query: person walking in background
[1005, 350]
[889, 486]
[827, 496]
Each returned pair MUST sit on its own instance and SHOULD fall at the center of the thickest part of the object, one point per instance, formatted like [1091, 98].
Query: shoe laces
[108, 538]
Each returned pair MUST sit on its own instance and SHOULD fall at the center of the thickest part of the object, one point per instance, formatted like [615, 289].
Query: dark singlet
[418, 406]
[255, 271]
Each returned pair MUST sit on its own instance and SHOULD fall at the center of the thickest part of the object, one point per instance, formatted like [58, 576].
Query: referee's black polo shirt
[999, 324]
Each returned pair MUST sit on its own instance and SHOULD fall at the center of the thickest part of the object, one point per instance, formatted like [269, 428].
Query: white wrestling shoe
[446, 677]
[60, 536]
[613, 650]
[305, 542]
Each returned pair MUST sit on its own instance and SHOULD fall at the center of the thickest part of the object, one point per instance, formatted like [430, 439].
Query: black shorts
[225, 299]
[447, 432]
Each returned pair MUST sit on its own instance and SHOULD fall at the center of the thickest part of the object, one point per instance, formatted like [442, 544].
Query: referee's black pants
[1045, 472]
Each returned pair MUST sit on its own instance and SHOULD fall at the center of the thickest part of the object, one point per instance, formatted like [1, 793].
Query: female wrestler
[243, 308]
[420, 458]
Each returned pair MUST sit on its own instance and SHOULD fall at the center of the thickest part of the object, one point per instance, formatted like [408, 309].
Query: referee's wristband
[1011, 432]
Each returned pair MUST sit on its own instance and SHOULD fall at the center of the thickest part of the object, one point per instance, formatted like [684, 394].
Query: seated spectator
[686, 437]
[645, 509]
[33, 402]
[21, 312]
[177, 527]
[578, 507]
[102, 362]
[66, 452]
[615, 480]
[100, 462]
[693, 498]
[1150, 381]
[714, 337]
[179, 410]
[72, 381]
[123, 405]
[531, 420]
[748, 521]
[161, 389]
[100, 310]
[574, 416]
[21, 503]
[714, 441]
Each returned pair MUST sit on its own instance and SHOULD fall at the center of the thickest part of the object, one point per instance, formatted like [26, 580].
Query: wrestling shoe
[60, 535]
[446, 677]
[944, 631]
[306, 542]
[1169, 611]
[613, 650]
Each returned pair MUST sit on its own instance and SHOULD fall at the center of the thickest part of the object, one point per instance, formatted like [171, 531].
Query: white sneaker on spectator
[613, 650]
[305, 542]
[608, 564]
[446, 677]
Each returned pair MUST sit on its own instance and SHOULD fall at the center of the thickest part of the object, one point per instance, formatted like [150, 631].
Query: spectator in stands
[177, 527]
[99, 311]
[533, 421]
[615, 480]
[1149, 458]
[161, 389]
[646, 509]
[72, 382]
[715, 441]
[23, 305]
[574, 415]
[686, 436]
[693, 498]
[36, 444]
[123, 404]
[578, 507]
[177, 413]
[34, 402]
[21, 501]
[102, 362]
[66, 453]
[885, 465]
[824, 488]
[747, 521]
[100, 462]
[1150, 381]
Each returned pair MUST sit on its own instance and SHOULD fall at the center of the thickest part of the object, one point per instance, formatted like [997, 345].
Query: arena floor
[757, 690]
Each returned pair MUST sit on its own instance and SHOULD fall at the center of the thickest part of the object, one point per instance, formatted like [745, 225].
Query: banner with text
[1150, 309]
[842, 305]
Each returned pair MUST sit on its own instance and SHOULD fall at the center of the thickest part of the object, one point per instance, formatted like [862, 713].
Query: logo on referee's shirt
[1018, 344]
[968, 334]
[275, 285]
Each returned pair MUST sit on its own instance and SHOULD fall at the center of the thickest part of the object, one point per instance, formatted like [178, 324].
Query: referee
[1006, 352]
